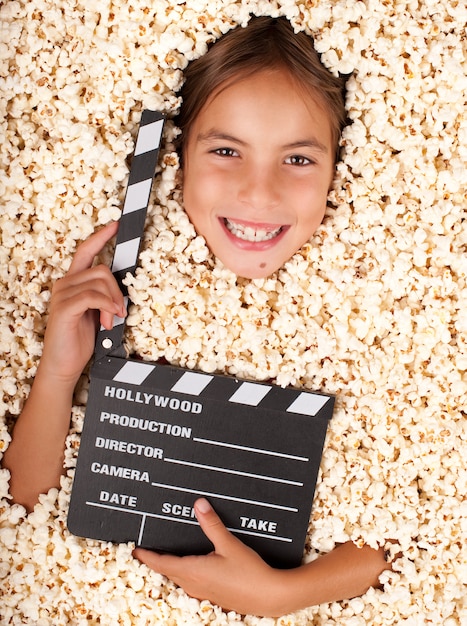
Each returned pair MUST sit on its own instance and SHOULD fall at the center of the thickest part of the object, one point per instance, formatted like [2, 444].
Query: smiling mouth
[250, 233]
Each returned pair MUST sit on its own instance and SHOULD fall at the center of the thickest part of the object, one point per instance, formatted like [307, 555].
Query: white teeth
[247, 233]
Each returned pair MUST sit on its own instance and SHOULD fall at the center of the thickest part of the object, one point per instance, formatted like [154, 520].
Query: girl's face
[258, 164]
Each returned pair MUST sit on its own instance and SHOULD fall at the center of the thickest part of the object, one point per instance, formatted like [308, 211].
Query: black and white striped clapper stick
[132, 221]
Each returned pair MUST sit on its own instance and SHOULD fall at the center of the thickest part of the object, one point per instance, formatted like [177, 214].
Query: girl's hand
[233, 576]
[76, 301]
[35, 454]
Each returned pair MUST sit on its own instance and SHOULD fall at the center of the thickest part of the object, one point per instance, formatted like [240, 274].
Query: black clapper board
[157, 437]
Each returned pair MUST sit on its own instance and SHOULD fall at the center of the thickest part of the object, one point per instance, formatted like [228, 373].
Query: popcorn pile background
[373, 309]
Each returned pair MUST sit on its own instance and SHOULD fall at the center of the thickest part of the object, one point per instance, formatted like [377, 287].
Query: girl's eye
[225, 152]
[297, 159]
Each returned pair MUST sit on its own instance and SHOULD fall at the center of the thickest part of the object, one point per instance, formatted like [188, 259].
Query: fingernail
[120, 311]
[203, 505]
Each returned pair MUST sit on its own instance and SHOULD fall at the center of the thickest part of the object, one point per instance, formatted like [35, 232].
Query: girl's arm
[35, 454]
[234, 577]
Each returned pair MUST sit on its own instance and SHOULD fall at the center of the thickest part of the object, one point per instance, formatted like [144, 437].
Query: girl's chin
[251, 265]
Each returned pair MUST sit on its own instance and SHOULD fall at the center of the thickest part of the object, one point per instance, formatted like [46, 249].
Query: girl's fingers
[97, 286]
[87, 251]
[107, 318]
[74, 306]
[83, 278]
[94, 289]
[97, 279]
[166, 564]
[213, 527]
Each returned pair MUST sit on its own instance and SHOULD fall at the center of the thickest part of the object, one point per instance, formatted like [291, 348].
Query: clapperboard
[157, 437]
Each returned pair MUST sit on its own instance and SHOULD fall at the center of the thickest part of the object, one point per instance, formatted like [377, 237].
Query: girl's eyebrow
[218, 135]
[311, 143]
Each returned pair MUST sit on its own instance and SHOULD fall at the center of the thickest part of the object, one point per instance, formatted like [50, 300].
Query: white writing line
[248, 532]
[237, 472]
[224, 497]
[258, 450]
[180, 521]
[141, 528]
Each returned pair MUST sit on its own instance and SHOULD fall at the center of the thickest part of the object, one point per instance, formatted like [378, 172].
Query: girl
[260, 121]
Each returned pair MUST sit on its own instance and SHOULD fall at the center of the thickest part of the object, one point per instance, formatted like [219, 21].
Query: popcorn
[372, 309]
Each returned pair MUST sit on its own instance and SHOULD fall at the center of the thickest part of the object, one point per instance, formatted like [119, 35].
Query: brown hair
[265, 43]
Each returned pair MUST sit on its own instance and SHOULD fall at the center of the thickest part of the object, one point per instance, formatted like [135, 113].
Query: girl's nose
[259, 187]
